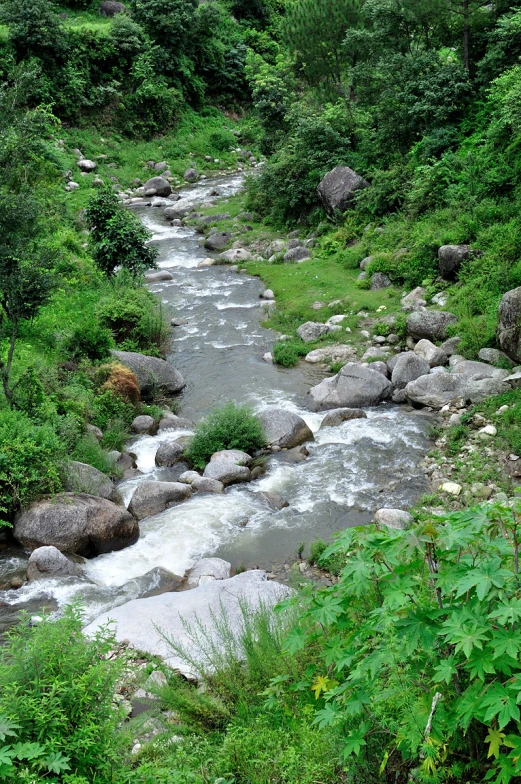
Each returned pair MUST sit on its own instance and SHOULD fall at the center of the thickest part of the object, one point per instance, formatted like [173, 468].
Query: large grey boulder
[335, 418]
[149, 623]
[207, 570]
[354, 387]
[431, 353]
[50, 562]
[493, 356]
[151, 498]
[337, 189]
[191, 175]
[76, 523]
[380, 281]
[84, 478]
[311, 331]
[228, 466]
[479, 370]
[297, 254]
[159, 185]
[450, 258]
[441, 389]
[451, 346]
[168, 454]
[179, 209]
[408, 367]
[218, 241]
[111, 8]
[153, 374]
[143, 424]
[509, 324]
[86, 166]
[204, 485]
[284, 428]
[431, 324]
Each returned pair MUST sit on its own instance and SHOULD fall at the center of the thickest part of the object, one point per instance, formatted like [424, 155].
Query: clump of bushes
[134, 318]
[288, 352]
[57, 720]
[230, 427]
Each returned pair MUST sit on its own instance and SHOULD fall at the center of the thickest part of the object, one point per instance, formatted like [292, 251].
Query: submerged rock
[148, 623]
[335, 418]
[50, 562]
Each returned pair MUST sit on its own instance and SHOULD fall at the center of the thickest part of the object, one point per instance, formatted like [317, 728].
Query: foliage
[419, 647]
[34, 28]
[133, 316]
[288, 352]
[29, 461]
[56, 689]
[230, 427]
[89, 341]
[117, 237]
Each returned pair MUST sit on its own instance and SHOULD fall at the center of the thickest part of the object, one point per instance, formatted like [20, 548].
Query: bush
[120, 381]
[109, 407]
[229, 427]
[134, 317]
[56, 691]
[89, 341]
[89, 450]
[30, 459]
[288, 352]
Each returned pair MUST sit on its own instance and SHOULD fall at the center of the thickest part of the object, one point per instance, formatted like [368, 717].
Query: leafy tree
[34, 28]
[169, 24]
[117, 239]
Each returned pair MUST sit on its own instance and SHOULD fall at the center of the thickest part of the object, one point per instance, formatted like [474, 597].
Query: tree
[469, 12]
[34, 28]
[168, 24]
[118, 239]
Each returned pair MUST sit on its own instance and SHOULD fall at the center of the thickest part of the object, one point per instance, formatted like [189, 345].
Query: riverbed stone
[509, 324]
[354, 387]
[173, 422]
[218, 241]
[76, 523]
[50, 562]
[337, 189]
[168, 454]
[479, 370]
[205, 485]
[159, 276]
[148, 623]
[228, 466]
[153, 374]
[207, 570]
[151, 498]
[441, 389]
[414, 299]
[332, 353]
[451, 346]
[297, 254]
[284, 428]
[84, 478]
[159, 185]
[494, 356]
[234, 255]
[274, 500]
[408, 367]
[431, 353]
[191, 175]
[187, 477]
[335, 418]
[430, 324]
[311, 331]
[393, 518]
[143, 424]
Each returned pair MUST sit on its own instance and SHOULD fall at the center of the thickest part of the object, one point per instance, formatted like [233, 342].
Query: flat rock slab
[146, 622]
[207, 570]
[340, 353]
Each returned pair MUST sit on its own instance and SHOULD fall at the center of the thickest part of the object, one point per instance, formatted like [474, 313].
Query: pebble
[502, 410]
[451, 488]
[488, 431]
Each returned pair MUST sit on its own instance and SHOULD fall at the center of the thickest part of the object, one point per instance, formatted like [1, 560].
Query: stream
[351, 471]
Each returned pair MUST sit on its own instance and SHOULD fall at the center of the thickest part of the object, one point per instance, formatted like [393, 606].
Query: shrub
[121, 382]
[229, 427]
[89, 341]
[133, 316]
[109, 407]
[89, 450]
[30, 457]
[288, 352]
[56, 691]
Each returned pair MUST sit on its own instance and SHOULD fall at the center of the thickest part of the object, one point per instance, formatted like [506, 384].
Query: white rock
[268, 294]
[488, 430]
[393, 518]
[451, 488]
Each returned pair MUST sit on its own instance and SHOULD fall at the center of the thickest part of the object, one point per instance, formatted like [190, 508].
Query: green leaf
[445, 671]
[56, 762]
[6, 755]
[355, 740]
[327, 716]
[7, 727]
[495, 741]
[28, 751]
[498, 703]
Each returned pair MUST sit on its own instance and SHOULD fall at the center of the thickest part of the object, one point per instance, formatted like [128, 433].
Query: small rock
[187, 477]
[268, 294]
[393, 518]
[143, 424]
[451, 488]
[488, 431]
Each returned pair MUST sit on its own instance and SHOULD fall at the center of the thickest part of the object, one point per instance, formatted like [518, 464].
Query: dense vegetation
[228, 427]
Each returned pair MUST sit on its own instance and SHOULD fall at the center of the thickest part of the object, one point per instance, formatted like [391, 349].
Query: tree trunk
[466, 35]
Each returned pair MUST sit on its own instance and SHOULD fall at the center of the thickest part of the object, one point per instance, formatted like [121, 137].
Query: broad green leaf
[495, 741]
[7, 727]
[327, 716]
[56, 762]
[355, 740]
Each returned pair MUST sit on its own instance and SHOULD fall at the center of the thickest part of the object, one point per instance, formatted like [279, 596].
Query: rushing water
[351, 470]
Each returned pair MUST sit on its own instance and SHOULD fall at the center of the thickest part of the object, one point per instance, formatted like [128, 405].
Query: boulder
[179, 210]
[84, 478]
[479, 370]
[277, 246]
[430, 324]
[431, 353]
[268, 294]
[414, 299]
[207, 570]
[509, 324]
[173, 422]
[168, 454]
[366, 262]
[151, 498]
[159, 185]
[187, 477]
[354, 387]
[450, 258]
[228, 466]
[110, 8]
[274, 500]
[311, 331]
[143, 424]
[393, 518]
[408, 367]
[441, 389]
[148, 623]
[76, 523]
[380, 281]
[335, 418]
[94, 431]
[86, 166]
[376, 354]
[204, 485]
[235, 255]
[337, 189]
[493, 356]
[450, 346]
[191, 175]
[157, 277]
[218, 241]
[380, 367]
[284, 428]
[50, 562]
[333, 353]
[153, 374]
[297, 254]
